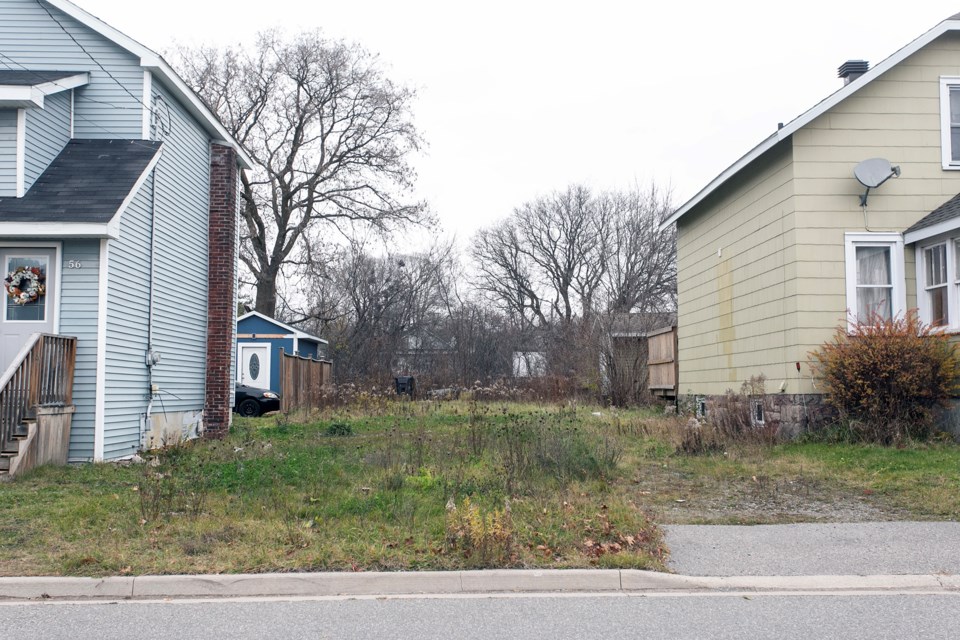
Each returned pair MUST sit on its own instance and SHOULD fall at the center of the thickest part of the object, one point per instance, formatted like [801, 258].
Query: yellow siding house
[779, 249]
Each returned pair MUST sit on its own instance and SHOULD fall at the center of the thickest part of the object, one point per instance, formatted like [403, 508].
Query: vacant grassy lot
[400, 485]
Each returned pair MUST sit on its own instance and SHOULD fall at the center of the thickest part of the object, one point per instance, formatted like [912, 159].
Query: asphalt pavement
[862, 549]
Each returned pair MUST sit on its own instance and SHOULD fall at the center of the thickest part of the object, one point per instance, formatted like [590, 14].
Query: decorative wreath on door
[25, 284]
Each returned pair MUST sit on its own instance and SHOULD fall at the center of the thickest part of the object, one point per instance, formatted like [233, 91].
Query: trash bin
[406, 385]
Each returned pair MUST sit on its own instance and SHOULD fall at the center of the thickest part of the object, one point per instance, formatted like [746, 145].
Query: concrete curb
[445, 582]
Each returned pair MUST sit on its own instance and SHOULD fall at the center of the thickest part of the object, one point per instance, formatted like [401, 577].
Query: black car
[250, 402]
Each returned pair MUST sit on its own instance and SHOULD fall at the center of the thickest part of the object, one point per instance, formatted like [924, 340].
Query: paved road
[880, 548]
[556, 617]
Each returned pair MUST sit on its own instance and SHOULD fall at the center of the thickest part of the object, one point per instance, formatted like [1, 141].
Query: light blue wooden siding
[8, 152]
[108, 107]
[47, 132]
[180, 296]
[127, 377]
[79, 297]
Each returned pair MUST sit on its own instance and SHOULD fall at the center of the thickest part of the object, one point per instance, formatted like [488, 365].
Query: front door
[255, 365]
[30, 276]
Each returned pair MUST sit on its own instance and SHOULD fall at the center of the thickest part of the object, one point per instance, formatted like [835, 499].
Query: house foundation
[789, 414]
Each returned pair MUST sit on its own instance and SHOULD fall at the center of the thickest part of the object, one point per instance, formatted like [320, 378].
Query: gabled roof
[154, 63]
[940, 220]
[83, 191]
[301, 335]
[950, 24]
[26, 88]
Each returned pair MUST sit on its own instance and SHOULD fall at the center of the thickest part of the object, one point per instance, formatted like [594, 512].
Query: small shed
[259, 341]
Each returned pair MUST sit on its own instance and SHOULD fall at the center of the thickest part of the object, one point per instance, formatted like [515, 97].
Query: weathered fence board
[302, 381]
[662, 361]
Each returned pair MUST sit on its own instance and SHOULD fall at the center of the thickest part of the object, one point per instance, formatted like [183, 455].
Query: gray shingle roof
[87, 182]
[18, 78]
[947, 211]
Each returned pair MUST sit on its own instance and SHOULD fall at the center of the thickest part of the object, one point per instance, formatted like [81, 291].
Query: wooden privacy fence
[662, 362]
[302, 381]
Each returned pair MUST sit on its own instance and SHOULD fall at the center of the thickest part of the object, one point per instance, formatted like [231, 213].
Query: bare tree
[641, 268]
[331, 136]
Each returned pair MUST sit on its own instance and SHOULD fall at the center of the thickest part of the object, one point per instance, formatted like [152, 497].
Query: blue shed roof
[301, 335]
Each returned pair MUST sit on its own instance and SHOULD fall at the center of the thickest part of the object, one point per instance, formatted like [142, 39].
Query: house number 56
[74, 264]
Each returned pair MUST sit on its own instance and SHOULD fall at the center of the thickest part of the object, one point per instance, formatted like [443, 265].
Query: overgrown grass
[426, 485]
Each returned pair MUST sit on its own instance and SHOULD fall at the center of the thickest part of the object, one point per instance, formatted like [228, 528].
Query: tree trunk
[267, 295]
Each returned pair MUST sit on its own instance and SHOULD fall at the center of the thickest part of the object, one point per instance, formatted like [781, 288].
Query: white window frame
[893, 241]
[953, 282]
[946, 155]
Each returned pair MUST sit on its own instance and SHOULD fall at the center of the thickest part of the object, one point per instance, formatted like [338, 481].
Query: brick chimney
[852, 69]
[222, 285]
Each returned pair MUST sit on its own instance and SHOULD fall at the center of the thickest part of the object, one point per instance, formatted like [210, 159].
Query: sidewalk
[806, 558]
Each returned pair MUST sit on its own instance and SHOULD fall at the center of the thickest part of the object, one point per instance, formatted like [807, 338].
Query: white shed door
[255, 365]
[32, 311]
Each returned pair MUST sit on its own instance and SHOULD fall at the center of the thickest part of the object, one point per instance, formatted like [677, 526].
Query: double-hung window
[874, 271]
[938, 281]
[950, 121]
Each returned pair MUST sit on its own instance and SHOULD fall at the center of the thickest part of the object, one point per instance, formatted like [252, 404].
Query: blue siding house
[259, 341]
[119, 189]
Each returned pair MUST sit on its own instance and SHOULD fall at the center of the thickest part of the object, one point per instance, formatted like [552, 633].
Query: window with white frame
[938, 281]
[875, 280]
[950, 121]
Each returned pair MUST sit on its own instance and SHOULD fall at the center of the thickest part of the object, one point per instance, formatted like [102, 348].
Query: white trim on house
[946, 149]
[21, 151]
[296, 333]
[113, 227]
[30, 96]
[934, 230]
[147, 105]
[59, 229]
[892, 240]
[58, 273]
[151, 61]
[808, 116]
[101, 392]
[950, 240]
[72, 107]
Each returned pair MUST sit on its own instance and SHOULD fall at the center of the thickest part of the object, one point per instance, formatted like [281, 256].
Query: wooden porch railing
[41, 375]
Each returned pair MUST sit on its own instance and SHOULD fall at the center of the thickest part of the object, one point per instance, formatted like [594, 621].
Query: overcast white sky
[518, 98]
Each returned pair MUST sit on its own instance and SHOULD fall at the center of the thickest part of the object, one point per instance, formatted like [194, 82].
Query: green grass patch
[427, 485]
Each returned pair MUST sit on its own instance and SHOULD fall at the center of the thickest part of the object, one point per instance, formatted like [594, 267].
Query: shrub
[886, 376]
[339, 429]
[485, 538]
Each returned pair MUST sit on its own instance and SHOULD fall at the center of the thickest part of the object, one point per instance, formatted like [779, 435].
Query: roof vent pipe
[852, 69]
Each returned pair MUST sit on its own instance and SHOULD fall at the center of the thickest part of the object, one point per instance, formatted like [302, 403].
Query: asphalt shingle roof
[947, 211]
[87, 182]
[17, 78]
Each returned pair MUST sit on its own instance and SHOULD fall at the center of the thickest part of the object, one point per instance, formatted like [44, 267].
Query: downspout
[151, 358]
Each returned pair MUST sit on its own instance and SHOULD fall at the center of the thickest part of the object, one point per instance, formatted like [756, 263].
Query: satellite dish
[872, 173]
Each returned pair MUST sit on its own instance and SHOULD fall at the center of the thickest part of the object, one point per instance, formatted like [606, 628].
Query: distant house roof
[159, 67]
[637, 325]
[24, 88]
[83, 190]
[944, 218]
[783, 133]
[301, 335]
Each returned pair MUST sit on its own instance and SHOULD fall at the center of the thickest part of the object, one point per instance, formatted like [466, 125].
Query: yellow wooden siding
[734, 308]
[778, 289]
[897, 116]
